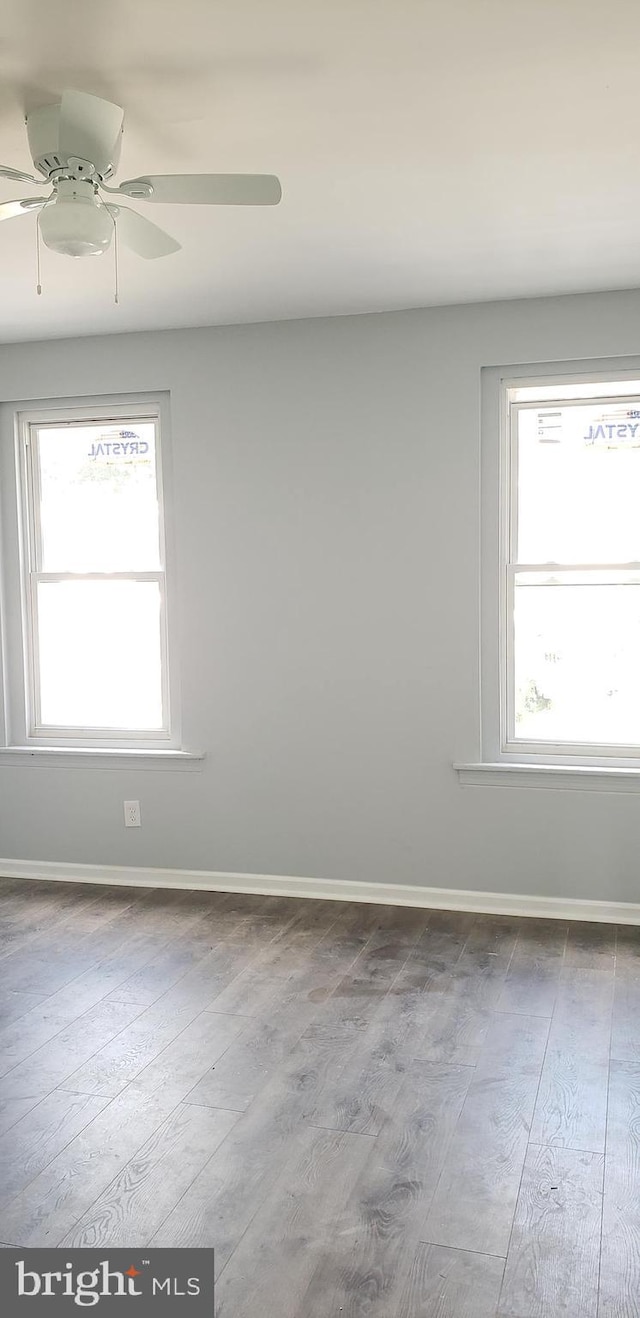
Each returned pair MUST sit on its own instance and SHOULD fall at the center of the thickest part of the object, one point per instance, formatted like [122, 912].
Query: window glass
[98, 497]
[99, 650]
[577, 657]
[578, 489]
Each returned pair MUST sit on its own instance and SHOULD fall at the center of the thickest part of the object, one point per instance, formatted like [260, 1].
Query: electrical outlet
[131, 814]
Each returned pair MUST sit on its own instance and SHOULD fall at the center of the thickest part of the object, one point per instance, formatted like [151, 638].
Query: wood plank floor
[369, 1112]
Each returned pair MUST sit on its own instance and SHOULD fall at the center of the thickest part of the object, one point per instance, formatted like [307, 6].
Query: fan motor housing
[43, 132]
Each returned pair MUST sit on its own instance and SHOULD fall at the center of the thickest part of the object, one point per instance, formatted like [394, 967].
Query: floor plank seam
[176, 983]
[130, 1002]
[46, 933]
[67, 1025]
[81, 1093]
[174, 1207]
[529, 1145]
[242, 1235]
[178, 1036]
[212, 1068]
[465, 1066]
[49, 1041]
[570, 1148]
[95, 968]
[157, 953]
[339, 1130]
[471, 1066]
[236, 1015]
[347, 970]
[261, 955]
[57, 1153]
[606, 1138]
[213, 1107]
[537, 1015]
[105, 1190]
[481, 1253]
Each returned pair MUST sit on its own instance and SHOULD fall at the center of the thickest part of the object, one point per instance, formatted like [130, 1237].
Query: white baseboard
[344, 890]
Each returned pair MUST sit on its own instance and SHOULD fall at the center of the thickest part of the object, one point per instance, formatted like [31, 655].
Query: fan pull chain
[38, 283]
[116, 294]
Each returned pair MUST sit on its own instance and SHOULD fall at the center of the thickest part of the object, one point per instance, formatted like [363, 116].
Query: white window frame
[23, 728]
[499, 747]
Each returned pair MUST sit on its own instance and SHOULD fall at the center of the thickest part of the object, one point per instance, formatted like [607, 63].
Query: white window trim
[569, 777]
[97, 757]
[21, 743]
[500, 762]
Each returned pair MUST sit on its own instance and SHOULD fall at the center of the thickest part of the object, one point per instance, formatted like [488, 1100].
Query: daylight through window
[94, 583]
[572, 570]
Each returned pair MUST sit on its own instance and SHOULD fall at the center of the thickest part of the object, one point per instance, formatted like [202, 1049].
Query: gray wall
[327, 523]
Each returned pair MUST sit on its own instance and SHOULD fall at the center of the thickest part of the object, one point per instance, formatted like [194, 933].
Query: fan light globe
[76, 224]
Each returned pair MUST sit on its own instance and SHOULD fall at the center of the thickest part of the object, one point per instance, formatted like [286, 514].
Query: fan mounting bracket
[78, 168]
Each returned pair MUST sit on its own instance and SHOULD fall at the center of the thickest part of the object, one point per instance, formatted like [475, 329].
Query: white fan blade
[9, 209]
[89, 127]
[141, 235]
[206, 189]
[18, 176]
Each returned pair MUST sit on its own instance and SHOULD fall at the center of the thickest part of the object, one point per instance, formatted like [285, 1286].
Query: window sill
[80, 757]
[571, 777]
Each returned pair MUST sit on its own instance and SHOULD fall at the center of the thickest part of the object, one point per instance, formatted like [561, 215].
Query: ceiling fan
[75, 146]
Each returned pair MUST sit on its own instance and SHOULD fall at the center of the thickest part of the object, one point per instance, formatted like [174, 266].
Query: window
[570, 570]
[93, 637]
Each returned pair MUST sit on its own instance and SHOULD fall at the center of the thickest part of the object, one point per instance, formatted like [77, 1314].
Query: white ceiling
[430, 151]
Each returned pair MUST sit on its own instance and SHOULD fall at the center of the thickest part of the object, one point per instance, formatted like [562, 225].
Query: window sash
[510, 744]
[514, 410]
[32, 576]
